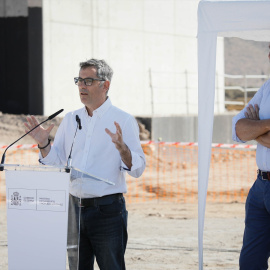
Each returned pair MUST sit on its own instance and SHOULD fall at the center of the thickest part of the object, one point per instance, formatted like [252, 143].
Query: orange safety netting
[171, 172]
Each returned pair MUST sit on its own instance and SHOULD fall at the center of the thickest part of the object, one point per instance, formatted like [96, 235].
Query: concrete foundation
[185, 128]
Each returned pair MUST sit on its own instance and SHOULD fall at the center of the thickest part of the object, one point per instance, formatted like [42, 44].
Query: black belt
[105, 200]
[264, 174]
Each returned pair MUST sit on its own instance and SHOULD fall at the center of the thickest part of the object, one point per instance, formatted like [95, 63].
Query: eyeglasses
[87, 81]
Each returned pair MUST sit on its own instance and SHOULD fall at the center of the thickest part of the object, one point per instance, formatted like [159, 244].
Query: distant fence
[244, 88]
[232, 91]
[171, 173]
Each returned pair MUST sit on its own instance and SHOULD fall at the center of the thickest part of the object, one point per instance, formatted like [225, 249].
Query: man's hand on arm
[40, 134]
[251, 127]
[264, 139]
[117, 139]
[252, 112]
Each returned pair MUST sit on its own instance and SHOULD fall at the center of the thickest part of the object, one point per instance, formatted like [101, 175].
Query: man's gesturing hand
[117, 139]
[40, 134]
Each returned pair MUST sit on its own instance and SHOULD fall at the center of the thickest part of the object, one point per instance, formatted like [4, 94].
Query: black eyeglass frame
[77, 79]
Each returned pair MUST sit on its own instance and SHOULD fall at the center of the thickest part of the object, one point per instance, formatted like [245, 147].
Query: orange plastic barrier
[171, 172]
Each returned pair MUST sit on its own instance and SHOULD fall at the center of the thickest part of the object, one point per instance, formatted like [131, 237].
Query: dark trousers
[103, 235]
[256, 241]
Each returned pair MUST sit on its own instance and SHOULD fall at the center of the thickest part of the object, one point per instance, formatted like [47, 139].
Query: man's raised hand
[117, 138]
[40, 134]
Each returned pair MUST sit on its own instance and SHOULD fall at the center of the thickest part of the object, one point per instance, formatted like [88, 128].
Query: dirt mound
[12, 127]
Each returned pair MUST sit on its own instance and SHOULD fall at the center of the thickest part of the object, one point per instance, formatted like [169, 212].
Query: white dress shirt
[94, 152]
[262, 98]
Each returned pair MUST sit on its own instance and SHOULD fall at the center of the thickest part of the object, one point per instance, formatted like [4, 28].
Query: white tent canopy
[243, 19]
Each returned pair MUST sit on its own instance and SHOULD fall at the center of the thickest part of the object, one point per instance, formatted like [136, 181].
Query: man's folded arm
[247, 129]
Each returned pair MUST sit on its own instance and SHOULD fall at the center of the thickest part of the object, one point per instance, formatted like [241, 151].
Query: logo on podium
[16, 199]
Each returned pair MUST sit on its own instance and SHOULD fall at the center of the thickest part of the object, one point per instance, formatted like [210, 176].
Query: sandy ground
[164, 236]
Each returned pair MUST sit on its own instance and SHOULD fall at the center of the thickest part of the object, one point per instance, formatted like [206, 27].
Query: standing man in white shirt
[107, 146]
[253, 123]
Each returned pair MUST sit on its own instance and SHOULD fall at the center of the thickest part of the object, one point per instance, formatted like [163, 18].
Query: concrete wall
[145, 41]
[185, 129]
[174, 129]
[13, 8]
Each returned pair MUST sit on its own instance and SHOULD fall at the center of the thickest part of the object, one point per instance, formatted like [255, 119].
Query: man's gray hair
[104, 71]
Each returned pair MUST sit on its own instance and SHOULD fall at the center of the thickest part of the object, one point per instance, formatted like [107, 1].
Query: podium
[40, 217]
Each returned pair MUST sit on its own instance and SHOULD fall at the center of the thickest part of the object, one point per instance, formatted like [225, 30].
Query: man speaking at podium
[107, 146]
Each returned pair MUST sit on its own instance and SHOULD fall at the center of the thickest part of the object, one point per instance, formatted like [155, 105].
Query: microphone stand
[78, 120]
[4, 154]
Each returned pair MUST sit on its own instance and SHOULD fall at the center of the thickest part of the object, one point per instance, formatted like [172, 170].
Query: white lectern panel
[37, 214]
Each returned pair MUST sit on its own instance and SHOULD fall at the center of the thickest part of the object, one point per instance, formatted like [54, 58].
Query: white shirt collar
[100, 110]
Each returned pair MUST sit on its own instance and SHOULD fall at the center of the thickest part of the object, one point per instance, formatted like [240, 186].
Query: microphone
[54, 114]
[4, 154]
[78, 120]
